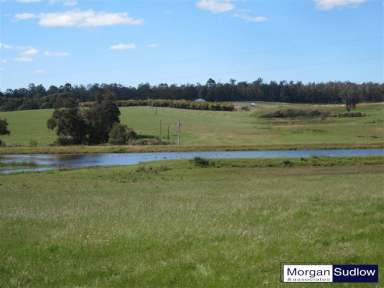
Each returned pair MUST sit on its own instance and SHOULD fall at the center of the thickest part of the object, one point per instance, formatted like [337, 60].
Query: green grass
[172, 224]
[212, 128]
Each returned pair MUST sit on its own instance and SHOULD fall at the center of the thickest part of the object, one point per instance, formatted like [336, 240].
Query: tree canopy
[100, 119]
[91, 126]
[38, 97]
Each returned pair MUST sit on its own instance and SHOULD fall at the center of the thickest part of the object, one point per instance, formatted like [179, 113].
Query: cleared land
[212, 128]
[172, 224]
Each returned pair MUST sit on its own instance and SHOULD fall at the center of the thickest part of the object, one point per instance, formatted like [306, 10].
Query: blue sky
[189, 41]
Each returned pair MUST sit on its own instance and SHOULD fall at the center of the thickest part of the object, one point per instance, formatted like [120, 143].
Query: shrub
[120, 134]
[65, 140]
[202, 162]
[148, 141]
[351, 114]
[287, 163]
[33, 143]
[296, 113]
[150, 169]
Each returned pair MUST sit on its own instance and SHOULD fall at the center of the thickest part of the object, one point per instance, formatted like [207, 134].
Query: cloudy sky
[189, 41]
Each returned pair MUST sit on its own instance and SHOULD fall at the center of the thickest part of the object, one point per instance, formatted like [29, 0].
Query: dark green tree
[4, 127]
[65, 100]
[351, 97]
[100, 118]
[70, 126]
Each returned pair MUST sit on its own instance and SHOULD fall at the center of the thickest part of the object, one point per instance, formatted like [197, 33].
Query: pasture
[173, 224]
[213, 128]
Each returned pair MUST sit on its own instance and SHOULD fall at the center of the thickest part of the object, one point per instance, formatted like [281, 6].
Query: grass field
[172, 224]
[210, 128]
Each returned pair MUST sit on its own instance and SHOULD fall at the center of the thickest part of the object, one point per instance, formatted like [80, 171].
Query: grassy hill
[223, 128]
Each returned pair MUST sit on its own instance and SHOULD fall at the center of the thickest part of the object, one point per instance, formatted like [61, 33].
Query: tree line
[39, 97]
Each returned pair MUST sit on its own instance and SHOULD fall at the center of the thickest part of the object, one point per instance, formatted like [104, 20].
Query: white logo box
[307, 273]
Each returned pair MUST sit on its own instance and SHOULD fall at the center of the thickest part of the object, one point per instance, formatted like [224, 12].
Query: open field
[172, 224]
[226, 129]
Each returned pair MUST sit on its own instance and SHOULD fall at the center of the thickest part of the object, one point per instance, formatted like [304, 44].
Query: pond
[42, 162]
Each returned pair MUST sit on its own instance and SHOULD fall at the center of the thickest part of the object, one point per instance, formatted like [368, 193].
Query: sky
[52, 42]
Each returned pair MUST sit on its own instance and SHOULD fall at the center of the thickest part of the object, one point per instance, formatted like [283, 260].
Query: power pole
[160, 129]
[178, 132]
[168, 132]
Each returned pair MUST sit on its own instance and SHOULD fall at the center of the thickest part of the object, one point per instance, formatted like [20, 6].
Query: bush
[150, 169]
[287, 163]
[121, 134]
[33, 143]
[149, 141]
[296, 113]
[351, 114]
[202, 162]
[65, 140]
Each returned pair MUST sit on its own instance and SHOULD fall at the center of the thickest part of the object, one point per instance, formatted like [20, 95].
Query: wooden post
[178, 132]
[168, 132]
[160, 129]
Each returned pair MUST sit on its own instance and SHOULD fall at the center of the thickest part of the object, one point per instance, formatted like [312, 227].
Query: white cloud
[5, 46]
[56, 53]
[153, 45]
[221, 6]
[123, 46]
[24, 16]
[28, 1]
[23, 59]
[27, 55]
[70, 3]
[39, 71]
[3, 61]
[30, 52]
[88, 18]
[216, 6]
[330, 4]
[65, 2]
[251, 18]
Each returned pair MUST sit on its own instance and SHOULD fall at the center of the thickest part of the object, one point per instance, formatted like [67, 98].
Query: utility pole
[168, 132]
[178, 132]
[160, 129]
